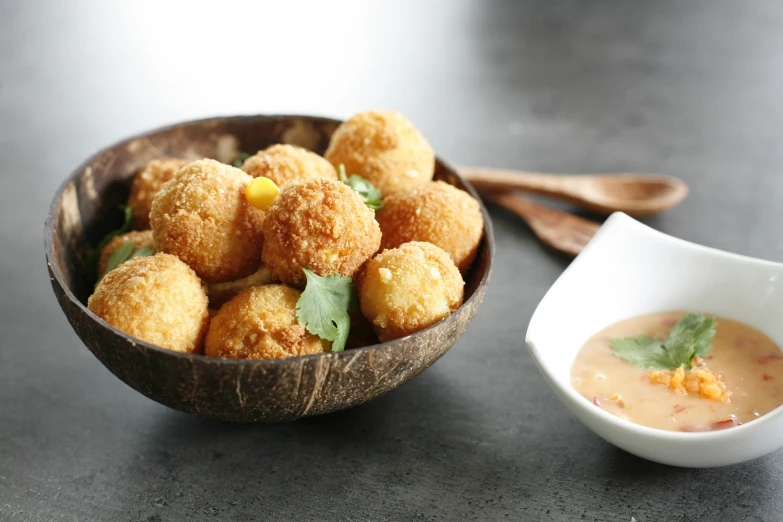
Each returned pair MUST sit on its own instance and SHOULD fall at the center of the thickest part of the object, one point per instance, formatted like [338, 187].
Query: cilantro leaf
[691, 337]
[323, 307]
[125, 252]
[89, 267]
[118, 256]
[643, 351]
[126, 227]
[343, 322]
[240, 159]
[142, 252]
[368, 192]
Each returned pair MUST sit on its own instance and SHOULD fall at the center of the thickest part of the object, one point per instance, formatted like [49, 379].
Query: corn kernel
[261, 192]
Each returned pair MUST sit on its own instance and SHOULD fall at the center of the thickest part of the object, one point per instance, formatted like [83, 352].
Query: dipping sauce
[741, 379]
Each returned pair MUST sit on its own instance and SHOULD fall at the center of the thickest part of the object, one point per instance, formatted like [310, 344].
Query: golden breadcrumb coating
[384, 148]
[158, 299]
[146, 184]
[437, 213]
[285, 163]
[220, 293]
[261, 323]
[139, 239]
[319, 224]
[202, 217]
[406, 289]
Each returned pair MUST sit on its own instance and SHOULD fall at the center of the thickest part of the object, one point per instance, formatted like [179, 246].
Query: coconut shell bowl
[85, 208]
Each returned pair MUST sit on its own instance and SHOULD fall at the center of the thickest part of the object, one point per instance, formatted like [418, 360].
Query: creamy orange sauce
[747, 362]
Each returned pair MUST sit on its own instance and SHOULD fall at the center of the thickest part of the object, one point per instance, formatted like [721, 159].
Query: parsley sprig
[368, 192]
[324, 305]
[691, 337]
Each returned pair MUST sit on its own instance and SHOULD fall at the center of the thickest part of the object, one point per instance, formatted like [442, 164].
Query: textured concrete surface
[692, 89]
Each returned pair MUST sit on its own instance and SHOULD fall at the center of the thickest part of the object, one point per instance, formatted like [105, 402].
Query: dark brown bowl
[85, 208]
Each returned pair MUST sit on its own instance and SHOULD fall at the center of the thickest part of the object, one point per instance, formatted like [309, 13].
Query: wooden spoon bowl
[634, 194]
[85, 209]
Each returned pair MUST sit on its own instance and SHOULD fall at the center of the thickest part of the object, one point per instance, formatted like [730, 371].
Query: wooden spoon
[564, 232]
[637, 195]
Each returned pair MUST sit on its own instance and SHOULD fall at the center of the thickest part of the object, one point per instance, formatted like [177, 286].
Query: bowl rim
[487, 243]
[616, 221]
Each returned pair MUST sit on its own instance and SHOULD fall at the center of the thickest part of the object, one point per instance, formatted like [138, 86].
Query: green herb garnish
[240, 159]
[691, 337]
[324, 305]
[370, 194]
[127, 251]
[90, 264]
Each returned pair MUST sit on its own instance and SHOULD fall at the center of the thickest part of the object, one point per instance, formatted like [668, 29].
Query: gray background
[691, 89]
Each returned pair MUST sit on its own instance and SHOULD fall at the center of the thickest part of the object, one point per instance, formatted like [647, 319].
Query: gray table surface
[691, 89]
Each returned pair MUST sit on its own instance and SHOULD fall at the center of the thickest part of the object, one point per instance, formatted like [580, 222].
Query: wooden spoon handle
[503, 179]
[564, 232]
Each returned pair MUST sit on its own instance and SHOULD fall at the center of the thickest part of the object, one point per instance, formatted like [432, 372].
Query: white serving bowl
[629, 269]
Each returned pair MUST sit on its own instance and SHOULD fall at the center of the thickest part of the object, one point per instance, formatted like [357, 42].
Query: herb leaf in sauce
[691, 337]
[323, 307]
[368, 192]
[692, 332]
[643, 351]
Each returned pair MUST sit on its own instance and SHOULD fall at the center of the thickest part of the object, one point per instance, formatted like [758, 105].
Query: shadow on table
[422, 450]
[739, 492]
[418, 440]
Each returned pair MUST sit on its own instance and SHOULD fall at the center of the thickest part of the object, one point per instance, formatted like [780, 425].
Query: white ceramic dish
[629, 269]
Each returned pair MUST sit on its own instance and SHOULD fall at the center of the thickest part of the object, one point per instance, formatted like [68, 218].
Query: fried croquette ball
[202, 217]
[146, 184]
[220, 293]
[261, 323]
[158, 299]
[406, 289]
[384, 148]
[285, 163]
[139, 239]
[437, 213]
[319, 224]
